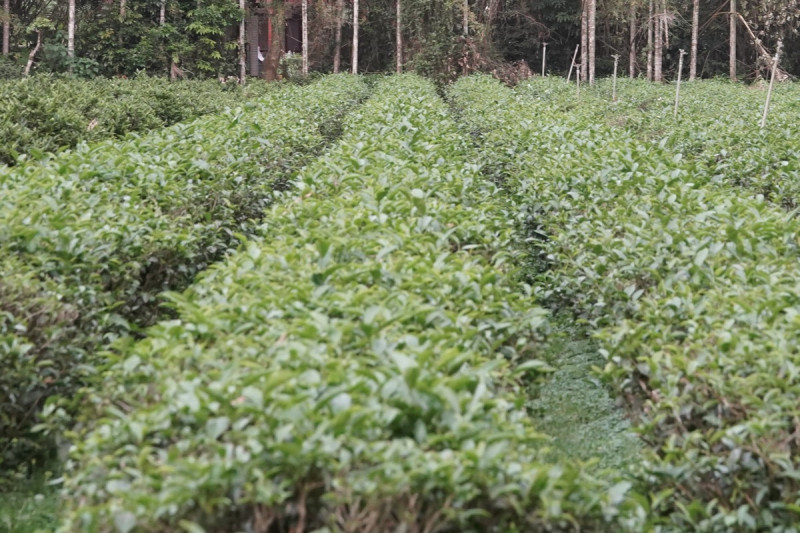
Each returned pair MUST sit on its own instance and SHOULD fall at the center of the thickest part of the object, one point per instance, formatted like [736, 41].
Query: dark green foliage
[90, 238]
[689, 283]
[46, 113]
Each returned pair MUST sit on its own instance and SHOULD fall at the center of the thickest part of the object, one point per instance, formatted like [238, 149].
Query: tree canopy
[440, 38]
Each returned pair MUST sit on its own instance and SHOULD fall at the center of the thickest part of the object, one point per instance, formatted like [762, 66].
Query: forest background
[438, 38]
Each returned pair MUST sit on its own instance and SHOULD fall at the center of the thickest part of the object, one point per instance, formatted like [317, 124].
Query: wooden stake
[678, 88]
[614, 86]
[544, 57]
[572, 65]
[771, 84]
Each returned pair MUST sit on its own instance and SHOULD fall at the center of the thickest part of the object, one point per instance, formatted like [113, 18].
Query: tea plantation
[370, 305]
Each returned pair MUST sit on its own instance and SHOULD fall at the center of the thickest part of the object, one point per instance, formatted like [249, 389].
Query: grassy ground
[576, 409]
[31, 508]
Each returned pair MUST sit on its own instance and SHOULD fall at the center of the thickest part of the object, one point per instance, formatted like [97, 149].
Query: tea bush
[90, 238]
[353, 368]
[46, 113]
[689, 282]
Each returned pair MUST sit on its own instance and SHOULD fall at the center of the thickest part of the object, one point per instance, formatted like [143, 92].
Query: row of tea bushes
[717, 126]
[354, 368]
[89, 239]
[44, 113]
[691, 288]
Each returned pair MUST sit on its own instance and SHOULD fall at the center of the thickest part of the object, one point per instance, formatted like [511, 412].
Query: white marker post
[678, 88]
[614, 86]
[544, 57]
[771, 84]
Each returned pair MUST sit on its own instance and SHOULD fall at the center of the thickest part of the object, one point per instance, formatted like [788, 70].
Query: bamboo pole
[572, 65]
[771, 84]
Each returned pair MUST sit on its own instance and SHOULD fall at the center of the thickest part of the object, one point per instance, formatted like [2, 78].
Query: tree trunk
[592, 23]
[695, 31]
[337, 47]
[304, 8]
[658, 50]
[71, 32]
[733, 41]
[162, 13]
[6, 26]
[242, 54]
[355, 36]
[273, 61]
[32, 55]
[491, 14]
[584, 40]
[650, 31]
[399, 44]
[632, 42]
[122, 9]
[465, 23]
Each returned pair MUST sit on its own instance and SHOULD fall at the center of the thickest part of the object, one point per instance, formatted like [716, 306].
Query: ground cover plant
[355, 366]
[45, 113]
[90, 238]
[690, 286]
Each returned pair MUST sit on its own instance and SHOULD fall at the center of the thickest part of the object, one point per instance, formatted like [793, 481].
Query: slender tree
[584, 40]
[465, 23]
[71, 31]
[355, 37]
[399, 36]
[632, 41]
[242, 54]
[39, 25]
[733, 17]
[304, 15]
[658, 48]
[278, 20]
[123, 9]
[491, 10]
[337, 38]
[650, 31]
[162, 13]
[695, 32]
[592, 28]
[6, 26]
